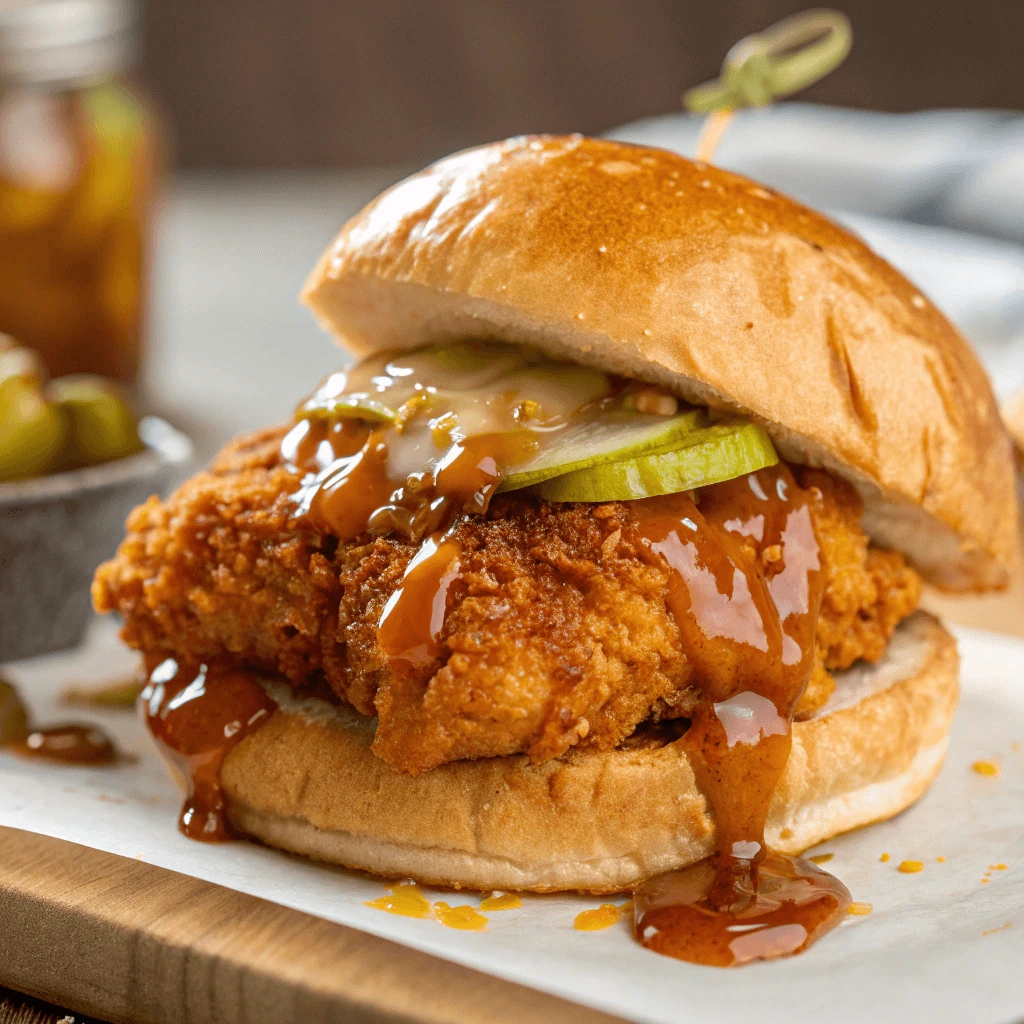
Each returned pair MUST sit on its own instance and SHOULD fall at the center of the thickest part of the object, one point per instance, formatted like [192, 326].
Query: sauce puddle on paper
[65, 744]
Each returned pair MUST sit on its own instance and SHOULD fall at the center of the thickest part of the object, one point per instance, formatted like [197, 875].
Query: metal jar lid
[64, 42]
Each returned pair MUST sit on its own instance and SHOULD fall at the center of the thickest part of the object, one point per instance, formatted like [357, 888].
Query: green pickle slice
[606, 440]
[707, 455]
[346, 407]
[32, 431]
[100, 422]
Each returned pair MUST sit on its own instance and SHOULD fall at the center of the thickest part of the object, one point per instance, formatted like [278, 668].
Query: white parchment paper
[940, 946]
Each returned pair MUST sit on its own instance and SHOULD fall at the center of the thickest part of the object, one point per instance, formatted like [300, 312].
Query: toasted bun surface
[596, 822]
[643, 263]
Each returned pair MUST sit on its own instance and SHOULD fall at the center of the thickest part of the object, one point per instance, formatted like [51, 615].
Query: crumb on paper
[910, 867]
[988, 768]
[859, 909]
[821, 858]
[884, 858]
[940, 860]
[997, 867]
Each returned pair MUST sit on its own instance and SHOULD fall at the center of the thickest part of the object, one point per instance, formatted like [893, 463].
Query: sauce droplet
[501, 901]
[598, 919]
[69, 744]
[910, 867]
[198, 713]
[404, 899]
[884, 858]
[989, 768]
[821, 858]
[464, 917]
[1000, 928]
[859, 909]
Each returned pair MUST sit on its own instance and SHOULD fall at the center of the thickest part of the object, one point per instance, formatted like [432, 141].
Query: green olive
[100, 423]
[32, 432]
[13, 717]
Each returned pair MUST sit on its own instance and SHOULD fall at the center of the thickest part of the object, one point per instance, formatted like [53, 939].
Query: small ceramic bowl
[55, 530]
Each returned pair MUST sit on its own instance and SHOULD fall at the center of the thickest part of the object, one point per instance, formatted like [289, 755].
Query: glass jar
[78, 162]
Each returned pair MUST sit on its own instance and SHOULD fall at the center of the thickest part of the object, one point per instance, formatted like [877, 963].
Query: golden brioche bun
[1014, 417]
[308, 782]
[644, 263]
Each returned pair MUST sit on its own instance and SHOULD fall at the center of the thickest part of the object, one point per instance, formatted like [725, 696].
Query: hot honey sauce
[197, 714]
[410, 626]
[744, 585]
[743, 581]
[69, 744]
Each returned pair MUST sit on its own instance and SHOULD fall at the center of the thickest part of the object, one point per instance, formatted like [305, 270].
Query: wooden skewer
[711, 132]
[761, 68]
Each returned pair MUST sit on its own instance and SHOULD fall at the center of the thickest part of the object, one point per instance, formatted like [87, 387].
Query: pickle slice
[32, 430]
[346, 407]
[100, 423]
[605, 440]
[706, 456]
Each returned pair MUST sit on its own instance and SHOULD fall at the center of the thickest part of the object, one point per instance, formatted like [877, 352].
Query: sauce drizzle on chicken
[745, 586]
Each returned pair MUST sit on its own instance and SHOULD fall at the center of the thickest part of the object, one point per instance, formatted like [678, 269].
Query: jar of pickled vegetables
[78, 165]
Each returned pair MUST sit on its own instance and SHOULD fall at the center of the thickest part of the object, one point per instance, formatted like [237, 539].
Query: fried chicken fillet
[557, 635]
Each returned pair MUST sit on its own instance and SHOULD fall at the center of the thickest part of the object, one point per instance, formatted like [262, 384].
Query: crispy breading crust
[557, 635]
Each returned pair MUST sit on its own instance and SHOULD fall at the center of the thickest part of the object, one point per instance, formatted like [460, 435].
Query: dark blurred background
[350, 83]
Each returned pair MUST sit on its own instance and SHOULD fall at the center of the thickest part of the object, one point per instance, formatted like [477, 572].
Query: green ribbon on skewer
[783, 59]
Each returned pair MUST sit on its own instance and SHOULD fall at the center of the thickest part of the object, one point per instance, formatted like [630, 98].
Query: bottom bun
[308, 782]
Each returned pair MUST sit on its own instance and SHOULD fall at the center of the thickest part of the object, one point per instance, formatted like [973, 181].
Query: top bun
[644, 263]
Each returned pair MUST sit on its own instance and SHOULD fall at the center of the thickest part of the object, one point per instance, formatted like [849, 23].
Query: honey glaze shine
[745, 583]
[197, 714]
[348, 492]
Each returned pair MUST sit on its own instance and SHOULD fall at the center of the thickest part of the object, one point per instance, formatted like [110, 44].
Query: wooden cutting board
[129, 942]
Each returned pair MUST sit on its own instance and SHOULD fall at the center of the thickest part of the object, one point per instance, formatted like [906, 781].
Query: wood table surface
[125, 941]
